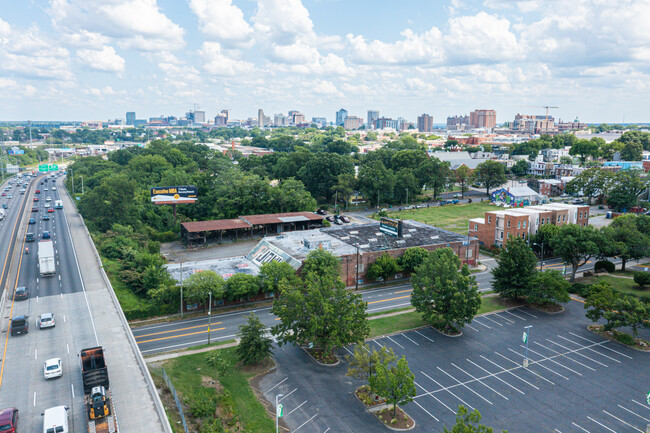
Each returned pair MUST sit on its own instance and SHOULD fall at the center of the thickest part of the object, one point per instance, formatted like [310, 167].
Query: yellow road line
[175, 330]
[179, 336]
[404, 291]
[389, 299]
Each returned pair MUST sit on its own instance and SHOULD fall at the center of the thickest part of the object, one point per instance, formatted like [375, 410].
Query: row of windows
[508, 235]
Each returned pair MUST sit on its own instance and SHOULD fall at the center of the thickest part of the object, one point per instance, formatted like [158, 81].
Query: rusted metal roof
[207, 226]
[279, 218]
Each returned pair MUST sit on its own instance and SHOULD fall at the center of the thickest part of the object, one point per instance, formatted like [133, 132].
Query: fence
[170, 385]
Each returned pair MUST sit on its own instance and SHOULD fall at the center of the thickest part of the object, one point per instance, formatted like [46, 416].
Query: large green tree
[515, 271]
[198, 287]
[444, 293]
[435, 174]
[549, 287]
[490, 174]
[412, 258]
[462, 176]
[590, 183]
[273, 273]
[627, 239]
[584, 149]
[242, 286]
[619, 310]
[376, 182]
[396, 384]
[468, 422]
[364, 361]
[576, 245]
[254, 345]
[384, 267]
[632, 151]
[625, 188]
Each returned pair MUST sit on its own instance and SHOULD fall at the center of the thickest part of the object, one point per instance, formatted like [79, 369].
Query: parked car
[46, 320]
[19, 325]
[457, 195]
[9, 420]
[409, 207]
[52, 368]
[321, 212]
[345, 219]
[330, 218]
[21, 293]
[337, 221]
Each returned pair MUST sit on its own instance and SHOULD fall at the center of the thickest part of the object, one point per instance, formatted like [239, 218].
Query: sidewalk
[136, 400]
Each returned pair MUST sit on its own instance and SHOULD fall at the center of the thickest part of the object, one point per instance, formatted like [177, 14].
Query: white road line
[581, 428]
[296, 408]
[602, 425]
[447, 389]
[589, 348]
[365, 348]
[296, 389]
[193, 343]
[72, 387]
[570, 359]
[34, 398]
[460, 383]
[301, 425]
[602, 345]
[404, 335]
[534, 362]
[620, 420]
[577, 353]
[479, 381]
[282, 381]
[527, 313]
[67, 347]
[471, 327]
[501, 317]
[513, 314]
[423, 336]
[519, 366]
[328, 429]
[486, 317]
[35, 353]
[375, 341]
[558, 431]
[59, 277]
[641, 404]
[395, 342]
[61, 295]
[37, 298]
[634, 413]
[428, 413]
[390, 307]
[64, 318]
[554, 361]
[348, 351]
[481, 323]
[495, 375]
[430, 393]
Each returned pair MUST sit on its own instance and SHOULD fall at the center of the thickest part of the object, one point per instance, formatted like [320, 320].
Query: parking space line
[277, 384]
[539, 362]
[501, 317]
[527, 313]
[395, 342]
[602, 344]
[460, 383]
[513, 314]
[296, 408]
[570, 359]
[634, 413]
[303, 424]
[404, 335]
[550, 358]
[577, 353]
[429, 413]
[495, 375]
[328, 429]
[581, 428]
[626, 423]
[600, 424]
[287, 395]
[447, 389]
[348, 351]
[487, 318]
[430, 393]
[479, 381]
[375, 341]
[641, 404]
[519, 366]
[423, 336]
[481, 323]
[471, 327]
[589, 348]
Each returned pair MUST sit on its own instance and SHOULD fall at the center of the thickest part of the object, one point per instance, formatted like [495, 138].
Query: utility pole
[407, 196]
[181, 290]
[209, 317]
[82, 185]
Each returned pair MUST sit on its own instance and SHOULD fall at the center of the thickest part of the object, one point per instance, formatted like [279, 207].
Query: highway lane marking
[404, 291]
[34, 398]
[178, 336]
[35, 353]
[175, 330]
[201, 318]
[67, 347]
[72, 387]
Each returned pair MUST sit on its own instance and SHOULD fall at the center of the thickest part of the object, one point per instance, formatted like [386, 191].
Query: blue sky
[97, 59]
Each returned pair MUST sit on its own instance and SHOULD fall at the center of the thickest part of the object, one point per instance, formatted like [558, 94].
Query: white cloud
[327, 88]
[480, 38]
[221, 20]
[282, 21]
[420, 85]
[413, 49]
[104, 60]
[296, 53]
[5, 28]
[218, 63]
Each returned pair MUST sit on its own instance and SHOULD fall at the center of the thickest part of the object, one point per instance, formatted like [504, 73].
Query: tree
[376, 181]
[396, 384]
[216, 361]
[628, 242]
[412, 258]
[576, 245]
[242, 286]
[468, 422]
[617, 309]
[197, 287]
[590, 183]
[384, 267]
[585, 148]
[625, 188]
[321, 263]
[254, 345]
[321, 173]
[346, 185]
[273, 273]
[490, 174]
[520, 168]
[515, 271]
[632, 151]
[409, 186]
[320, 311]
[445, 297]
[549, 287]
[462, 175]
[364, 362]
[434, 174]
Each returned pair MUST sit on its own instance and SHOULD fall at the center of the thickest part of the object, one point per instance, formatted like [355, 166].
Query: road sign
[647, 398]
[280, 410]
[524, 337]
[42, 168]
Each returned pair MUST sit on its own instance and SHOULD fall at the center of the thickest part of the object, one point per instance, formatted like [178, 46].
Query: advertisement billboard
[15, 151]
[390, 227]
[173, 194]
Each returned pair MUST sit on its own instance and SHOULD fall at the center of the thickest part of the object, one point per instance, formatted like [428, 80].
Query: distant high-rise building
[340, 116]
[199, 117]
[130, 118]
[352, 122]
[227, 113]
[260, 118]
[425, 123]
[457, 123]
[280, 120]
[297, 118]
[220, 120]
[483, 119]
[372, 116]
[385, 122]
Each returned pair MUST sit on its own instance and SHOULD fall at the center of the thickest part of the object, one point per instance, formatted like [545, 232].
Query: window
[524, 224]
[537, 220]
[508, 236]
[475, 227]
[580, 214]
[470, 252]
[489, 219]
[548, 220]
[501, 235]
[508, 223]
[518, 224]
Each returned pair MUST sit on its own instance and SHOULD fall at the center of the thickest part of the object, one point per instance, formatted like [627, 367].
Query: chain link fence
[170, 385]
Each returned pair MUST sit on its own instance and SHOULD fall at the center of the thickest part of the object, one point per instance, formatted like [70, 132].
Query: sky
[98, 59]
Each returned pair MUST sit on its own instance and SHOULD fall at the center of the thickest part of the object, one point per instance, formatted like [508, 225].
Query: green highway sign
[44, 168]
[280, 410]
[524, 337]
[647, 398]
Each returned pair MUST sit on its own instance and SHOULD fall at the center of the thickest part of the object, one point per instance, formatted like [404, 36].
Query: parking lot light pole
[541, 266]
[526, 335]
[277, 412]
[209, 316]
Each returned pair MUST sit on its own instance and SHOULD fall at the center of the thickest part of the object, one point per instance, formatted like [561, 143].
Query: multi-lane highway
[22, 383]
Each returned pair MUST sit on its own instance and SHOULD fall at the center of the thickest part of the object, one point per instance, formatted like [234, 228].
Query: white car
[46, 320]
[45, 189]
[52, 368]
[48, 199]
[53, 188]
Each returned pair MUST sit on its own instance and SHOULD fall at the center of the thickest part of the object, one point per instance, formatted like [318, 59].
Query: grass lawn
[452, 217]
[400, 322]
[625, 285]
[188, 373]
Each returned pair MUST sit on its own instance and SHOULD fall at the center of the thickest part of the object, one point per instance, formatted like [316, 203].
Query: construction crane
[543, 106]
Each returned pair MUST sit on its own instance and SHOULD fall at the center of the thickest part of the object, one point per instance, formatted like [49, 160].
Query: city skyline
[87, 60]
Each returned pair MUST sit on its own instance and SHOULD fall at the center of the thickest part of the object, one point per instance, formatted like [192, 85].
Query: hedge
[604, 265]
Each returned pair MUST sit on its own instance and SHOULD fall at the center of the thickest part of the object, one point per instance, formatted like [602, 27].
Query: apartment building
[496, 227]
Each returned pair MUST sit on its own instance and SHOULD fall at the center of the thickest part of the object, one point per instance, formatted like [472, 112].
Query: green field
[452, 217]
[625, 285]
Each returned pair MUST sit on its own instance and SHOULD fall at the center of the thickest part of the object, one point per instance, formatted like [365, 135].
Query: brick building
[497, 226]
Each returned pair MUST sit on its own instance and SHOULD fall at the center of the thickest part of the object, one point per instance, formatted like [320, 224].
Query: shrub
[604, 265]
[642, 278]
[581, 289]
[624, 338]
[201, 402]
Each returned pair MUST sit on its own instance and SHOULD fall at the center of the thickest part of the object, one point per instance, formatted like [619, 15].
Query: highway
[163, 337]
[21, 370]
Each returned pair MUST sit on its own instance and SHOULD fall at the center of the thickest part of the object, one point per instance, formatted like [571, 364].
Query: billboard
[390, 227]
[15, 151]
[173, 194]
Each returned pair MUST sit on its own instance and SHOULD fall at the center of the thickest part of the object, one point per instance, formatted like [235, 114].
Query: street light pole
[407, 196]
[541, 265]
[526, 337]
[209, 317]
[181, 290]
[276, 411]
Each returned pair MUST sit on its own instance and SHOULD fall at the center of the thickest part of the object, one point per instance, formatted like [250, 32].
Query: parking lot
[575, 381]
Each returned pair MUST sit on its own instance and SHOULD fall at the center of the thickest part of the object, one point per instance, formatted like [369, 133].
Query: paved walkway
[165, 356]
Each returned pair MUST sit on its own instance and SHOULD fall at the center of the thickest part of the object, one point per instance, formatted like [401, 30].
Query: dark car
[34, 209]
[46, 235]
[21, 293]
[46, 217]
[344, 219]
[321, 212]
[19, 325]
[5, 206]
[9, 420]
[29, 237]
[32, 221]
[330, 218]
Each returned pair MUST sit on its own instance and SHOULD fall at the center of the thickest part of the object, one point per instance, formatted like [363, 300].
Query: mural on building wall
[504, 196]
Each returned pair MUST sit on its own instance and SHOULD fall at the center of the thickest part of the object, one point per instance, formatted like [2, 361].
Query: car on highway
[46, 235]
[52, 368]
[45, 189]
[46, 217]
[48, 199]
[5, 206]
[53, 188]
[29, 237]
[19, 325]
[21, 294]
[46, 320]
[50, 210]
[22, 192]
[34, 209]
[9, 420]
[35, 198]
[32, 221]
[10, 196]
[4, 194]
[38, 191]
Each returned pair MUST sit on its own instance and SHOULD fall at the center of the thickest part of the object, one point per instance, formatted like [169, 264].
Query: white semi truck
[46, 261]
